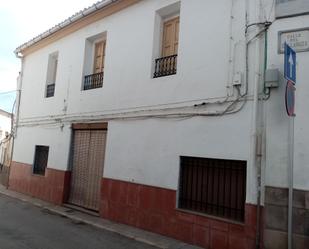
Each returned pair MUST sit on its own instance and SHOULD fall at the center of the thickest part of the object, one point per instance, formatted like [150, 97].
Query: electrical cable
[230, 109]
[177, 115]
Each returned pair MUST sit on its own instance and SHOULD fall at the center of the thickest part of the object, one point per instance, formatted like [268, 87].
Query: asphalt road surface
[24, 226]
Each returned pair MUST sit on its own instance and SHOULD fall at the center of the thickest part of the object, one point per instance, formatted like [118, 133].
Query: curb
[173, 244]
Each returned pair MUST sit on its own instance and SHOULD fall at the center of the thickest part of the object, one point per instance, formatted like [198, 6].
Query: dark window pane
[40, 159]
[213, 186]
[50, 90]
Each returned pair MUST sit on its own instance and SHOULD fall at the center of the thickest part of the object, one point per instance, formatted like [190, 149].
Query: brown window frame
[174, 40]
[95, 80]
[167, 64]
[102, 55]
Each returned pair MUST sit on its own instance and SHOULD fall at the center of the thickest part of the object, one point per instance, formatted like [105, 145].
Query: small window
[213, 186]
[167, 64]
[95, 79]
[51, 74]
[40, 159]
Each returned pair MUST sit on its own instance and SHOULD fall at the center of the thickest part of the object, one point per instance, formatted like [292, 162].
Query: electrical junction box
[272, 78]
[237, 79]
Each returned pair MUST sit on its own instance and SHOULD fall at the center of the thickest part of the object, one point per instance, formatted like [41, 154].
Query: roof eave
[67, 22]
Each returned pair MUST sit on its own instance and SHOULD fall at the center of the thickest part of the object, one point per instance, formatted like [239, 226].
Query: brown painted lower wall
[153, 209]
[53, 187]
[146, 207]
[4, 175]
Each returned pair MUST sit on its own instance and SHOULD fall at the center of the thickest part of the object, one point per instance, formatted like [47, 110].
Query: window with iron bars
[167, 64]
[40, 159]
[214, 187]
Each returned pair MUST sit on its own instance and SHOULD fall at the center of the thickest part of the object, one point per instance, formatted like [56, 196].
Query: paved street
[23, 226]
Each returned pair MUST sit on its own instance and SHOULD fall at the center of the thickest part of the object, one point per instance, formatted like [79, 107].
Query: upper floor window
[94, 77]
[166, 64]
[51, 75]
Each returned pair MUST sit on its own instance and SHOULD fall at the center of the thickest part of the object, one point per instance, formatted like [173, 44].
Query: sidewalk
[80, 217]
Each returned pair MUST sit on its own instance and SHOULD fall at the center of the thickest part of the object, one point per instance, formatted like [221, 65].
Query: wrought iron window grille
[40, 159]
[165, 66]
[93, 81]
[213, 186]
[50, 90]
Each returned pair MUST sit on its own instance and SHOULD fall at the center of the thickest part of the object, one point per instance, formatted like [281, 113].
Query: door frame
[81, 126]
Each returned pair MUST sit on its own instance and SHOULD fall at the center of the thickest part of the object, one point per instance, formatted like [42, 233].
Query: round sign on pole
[290, 98]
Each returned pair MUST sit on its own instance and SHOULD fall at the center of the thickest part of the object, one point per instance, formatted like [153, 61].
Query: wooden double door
[87, 163]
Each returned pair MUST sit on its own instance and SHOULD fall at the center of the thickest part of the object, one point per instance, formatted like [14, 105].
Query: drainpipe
[291, 176]
[18, 97]
[17, 102]
[255, 148]
[255, 153]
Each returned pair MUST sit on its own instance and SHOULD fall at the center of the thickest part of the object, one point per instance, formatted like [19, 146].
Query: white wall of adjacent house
[277, 154]
[211, 52]
[5, 125]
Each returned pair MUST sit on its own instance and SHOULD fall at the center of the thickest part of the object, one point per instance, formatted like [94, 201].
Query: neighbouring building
[5, 145]
[5, 123]
[170, 116]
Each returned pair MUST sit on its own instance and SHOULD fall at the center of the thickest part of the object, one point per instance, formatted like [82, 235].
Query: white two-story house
[169, 116]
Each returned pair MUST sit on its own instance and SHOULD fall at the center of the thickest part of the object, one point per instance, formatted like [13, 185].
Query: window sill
[38, 175]
[210, 216]
[94, 88]
[166, 77]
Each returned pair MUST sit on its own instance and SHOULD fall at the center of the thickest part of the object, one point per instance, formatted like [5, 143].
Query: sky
[21, 21]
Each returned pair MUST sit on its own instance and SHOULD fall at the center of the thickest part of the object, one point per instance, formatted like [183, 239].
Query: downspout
[291, 178]
[17, 102]
[259, 150]
[255, 158]
[255, 153]
[18, 97]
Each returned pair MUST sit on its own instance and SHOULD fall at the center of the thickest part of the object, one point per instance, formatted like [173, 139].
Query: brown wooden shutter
[170, 37]
[99, 56]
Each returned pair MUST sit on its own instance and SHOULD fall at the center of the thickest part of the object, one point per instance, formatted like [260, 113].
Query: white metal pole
[291, 165]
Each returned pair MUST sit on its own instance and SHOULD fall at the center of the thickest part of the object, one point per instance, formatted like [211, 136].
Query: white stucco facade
[211, 54]
[277, 120]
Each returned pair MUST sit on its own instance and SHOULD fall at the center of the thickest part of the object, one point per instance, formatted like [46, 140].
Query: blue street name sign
[289, 64]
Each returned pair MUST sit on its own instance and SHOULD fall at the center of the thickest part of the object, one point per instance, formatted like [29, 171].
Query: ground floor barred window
[213, 186]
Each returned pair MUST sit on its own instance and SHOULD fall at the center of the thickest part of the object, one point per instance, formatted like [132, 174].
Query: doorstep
[140, 235]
